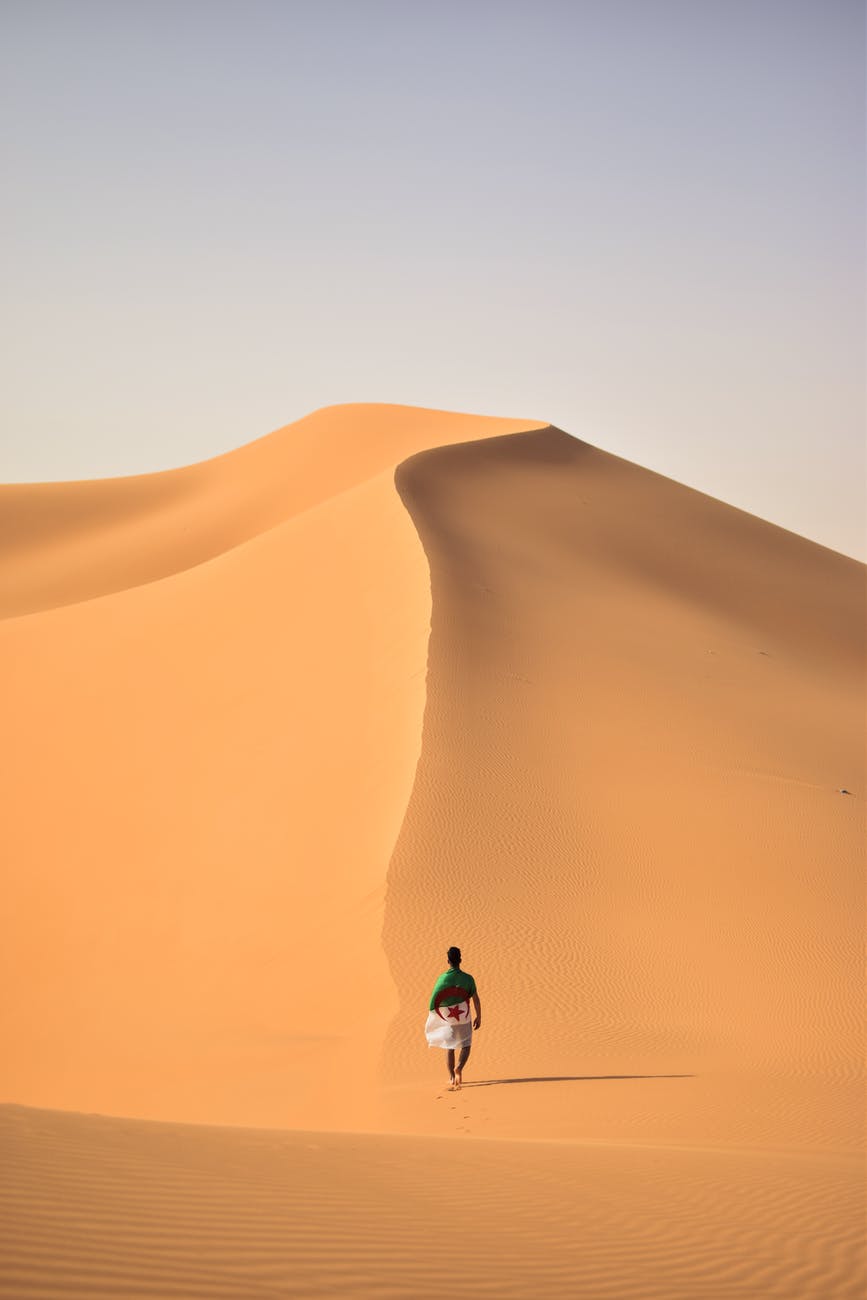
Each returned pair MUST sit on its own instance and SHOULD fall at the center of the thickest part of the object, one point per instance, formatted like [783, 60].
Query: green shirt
[463, 984]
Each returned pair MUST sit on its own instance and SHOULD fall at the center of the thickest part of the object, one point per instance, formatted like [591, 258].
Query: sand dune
[282, 726]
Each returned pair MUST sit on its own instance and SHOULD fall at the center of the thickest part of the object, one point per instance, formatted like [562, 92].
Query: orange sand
[248, 806]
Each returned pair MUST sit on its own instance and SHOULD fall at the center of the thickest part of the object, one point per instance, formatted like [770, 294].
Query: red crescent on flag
[451, 991]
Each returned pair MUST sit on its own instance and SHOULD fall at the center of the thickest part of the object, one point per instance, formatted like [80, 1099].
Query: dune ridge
[282, 726]
[68, 542]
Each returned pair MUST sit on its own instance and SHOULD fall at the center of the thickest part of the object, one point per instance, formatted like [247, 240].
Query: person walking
[449, 1024]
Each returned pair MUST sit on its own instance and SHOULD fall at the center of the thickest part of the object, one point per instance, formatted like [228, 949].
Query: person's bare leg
[462, 1060]
[450, 1059]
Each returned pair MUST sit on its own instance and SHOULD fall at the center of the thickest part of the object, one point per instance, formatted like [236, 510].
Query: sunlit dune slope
[204, 775]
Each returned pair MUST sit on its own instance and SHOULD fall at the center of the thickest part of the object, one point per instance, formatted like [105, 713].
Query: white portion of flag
[450, 1027]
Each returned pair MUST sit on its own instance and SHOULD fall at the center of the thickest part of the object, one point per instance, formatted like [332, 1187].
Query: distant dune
[282, 726]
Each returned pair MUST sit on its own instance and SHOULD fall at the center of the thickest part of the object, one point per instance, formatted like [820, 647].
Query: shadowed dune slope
[641, 706]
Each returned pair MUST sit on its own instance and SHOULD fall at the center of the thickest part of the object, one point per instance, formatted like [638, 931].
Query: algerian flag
[449, 1023]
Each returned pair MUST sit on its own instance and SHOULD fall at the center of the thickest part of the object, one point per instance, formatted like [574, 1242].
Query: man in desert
[449, 1024]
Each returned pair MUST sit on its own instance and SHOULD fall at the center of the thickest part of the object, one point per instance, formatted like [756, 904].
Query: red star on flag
[460, 1008]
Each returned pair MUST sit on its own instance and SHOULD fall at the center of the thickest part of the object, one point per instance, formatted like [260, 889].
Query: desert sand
[282, 726]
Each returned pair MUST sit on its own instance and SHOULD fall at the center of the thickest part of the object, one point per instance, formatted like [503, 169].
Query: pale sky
[641, 220]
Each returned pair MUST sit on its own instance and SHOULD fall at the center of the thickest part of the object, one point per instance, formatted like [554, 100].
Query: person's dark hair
[454, 956]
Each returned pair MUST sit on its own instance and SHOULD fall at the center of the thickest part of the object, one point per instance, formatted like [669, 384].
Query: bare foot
[458, 1081]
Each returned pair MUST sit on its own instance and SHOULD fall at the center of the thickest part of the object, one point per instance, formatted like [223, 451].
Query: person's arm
[477, 1007]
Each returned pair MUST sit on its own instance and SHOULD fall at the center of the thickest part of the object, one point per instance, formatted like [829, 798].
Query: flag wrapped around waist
[449, 1023]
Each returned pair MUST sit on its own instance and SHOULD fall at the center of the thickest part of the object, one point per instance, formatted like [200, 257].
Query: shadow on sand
[570, 1078]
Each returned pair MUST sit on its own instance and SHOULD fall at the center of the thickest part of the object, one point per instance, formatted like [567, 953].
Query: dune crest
[67, 542]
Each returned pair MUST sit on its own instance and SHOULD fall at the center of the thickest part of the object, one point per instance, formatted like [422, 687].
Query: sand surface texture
[282, 726]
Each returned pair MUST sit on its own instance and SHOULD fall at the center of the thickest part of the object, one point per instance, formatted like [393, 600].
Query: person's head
[454, 957]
